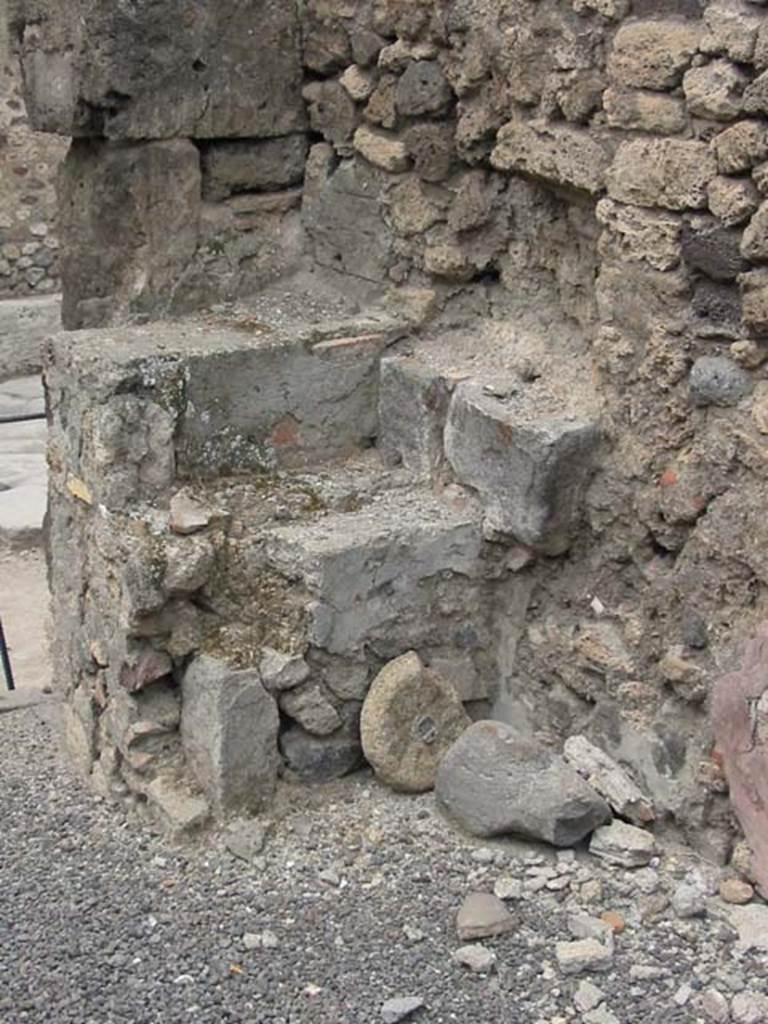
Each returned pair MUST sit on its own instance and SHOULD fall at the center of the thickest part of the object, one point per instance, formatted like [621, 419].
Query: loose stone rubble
[431, 327]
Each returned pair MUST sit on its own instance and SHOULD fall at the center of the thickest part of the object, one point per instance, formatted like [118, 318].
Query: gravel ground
[352, 902]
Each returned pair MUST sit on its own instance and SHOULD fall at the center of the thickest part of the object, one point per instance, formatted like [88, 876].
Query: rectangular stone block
[556, 153]
[153, 70]
[229, 726]
[530, 472]
[671, 173]
[129, 224]
[413, 407]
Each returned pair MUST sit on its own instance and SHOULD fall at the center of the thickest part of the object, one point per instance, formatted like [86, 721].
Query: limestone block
[422, 89]
[652, 53]
[715, 90]
[637, 110]
[557, 153]
[129, 224]
[732, 28]
[382, 149]
[229, 726]
[494, 782]
[413, 408]
[754, 243]
[531, 473]
[732, 200]
[756, 95]
[156, 71]
[754, 301]
[740, 147]
[252, 166]
[739, 716]
[671, 173]
[410, 718]
[634, 233]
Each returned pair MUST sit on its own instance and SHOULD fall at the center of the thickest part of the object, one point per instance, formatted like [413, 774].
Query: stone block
[732, 200]
[714, 90]
[712, 249]
[129, 224]
[731, 28]
[754, 243]
[495, 782]
[637, 110]
[609, 779]
[754, 301]
[382, 149]
[756, 95]
[422, 89]
[623, 844]
[556, 153]
[652, 53]
[154, 71]
[229, 727]
[671, 173]
[343, 213]
[413, 408]
[322, 758]
[332, 113]
[262, 165]
[634, 233]
[740, 147]
[530, 473]
[583, 955]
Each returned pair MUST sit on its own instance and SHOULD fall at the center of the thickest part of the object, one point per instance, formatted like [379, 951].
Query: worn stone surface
[147, 79]
[229, 728]
[558, 154]
[481, 916]
[248, 166]
[410, 718]
[670, 173]
[493, 782]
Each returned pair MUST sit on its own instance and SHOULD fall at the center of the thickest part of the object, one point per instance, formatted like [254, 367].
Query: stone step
[205, 398]
[484, 412]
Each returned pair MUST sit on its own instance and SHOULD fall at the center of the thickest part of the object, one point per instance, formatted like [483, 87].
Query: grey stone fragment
[246, 839]
[422, 89]
[310, 707]
[229, 727]
[413, 407]
[253, 165]
[321, 758]
[716, 380]
[531, 474]
[179, 809]
[749, 1008]
[609, 779]
[689, 899]
[623, 844]
[587, 997]
[410, 718]
[481, 916]
[399, 1008]
[476, 957]
[493, 782]
[188, 515]
[280, 670]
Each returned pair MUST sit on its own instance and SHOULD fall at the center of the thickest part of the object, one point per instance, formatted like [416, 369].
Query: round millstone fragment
[410, 718]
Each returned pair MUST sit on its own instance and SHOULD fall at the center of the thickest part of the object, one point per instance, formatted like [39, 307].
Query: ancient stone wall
[29, 163]
[568, 202]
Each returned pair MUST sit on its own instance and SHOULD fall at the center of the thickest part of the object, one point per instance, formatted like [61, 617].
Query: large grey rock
[151, 70]
[321, 758]
[410, 718]
[494, 782]
[530, 473]
[229, 726]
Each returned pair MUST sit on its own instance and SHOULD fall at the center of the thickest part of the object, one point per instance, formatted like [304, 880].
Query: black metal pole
[6, 660]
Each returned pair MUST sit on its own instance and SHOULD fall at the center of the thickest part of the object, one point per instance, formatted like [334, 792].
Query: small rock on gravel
[749, 1008]
[609, 779]
[583, 955]
[493, 782]
[476, 957]
[481, 916]
[714, 1006]
[622, 844]
[400, 1008]
[587, 997]
[689, 900]
[733, 890]
[508, 888]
